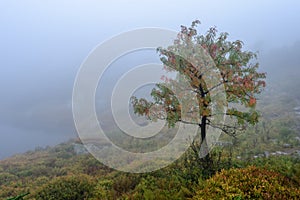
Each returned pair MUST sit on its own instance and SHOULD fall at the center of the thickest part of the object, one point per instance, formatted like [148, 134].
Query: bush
[103, 190]
[285, 165]
[162, 188]
[73, 187]
[248, 183]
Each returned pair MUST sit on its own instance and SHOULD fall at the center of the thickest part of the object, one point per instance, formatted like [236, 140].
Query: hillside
[68, 170]
[260, 163]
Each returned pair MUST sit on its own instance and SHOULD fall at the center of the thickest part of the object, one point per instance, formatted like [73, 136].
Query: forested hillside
[263, 162]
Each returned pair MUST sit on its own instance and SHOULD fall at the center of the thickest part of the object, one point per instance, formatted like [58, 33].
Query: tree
[192, 56]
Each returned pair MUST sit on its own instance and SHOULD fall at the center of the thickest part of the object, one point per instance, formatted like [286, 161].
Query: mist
[43, 44]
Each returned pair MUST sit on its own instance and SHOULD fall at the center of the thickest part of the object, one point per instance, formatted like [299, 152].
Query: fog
[43, 44]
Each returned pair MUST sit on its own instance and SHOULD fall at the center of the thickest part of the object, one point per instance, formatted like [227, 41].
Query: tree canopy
[200, 59]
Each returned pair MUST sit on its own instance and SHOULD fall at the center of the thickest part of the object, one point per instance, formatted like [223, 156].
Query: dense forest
[262, 162]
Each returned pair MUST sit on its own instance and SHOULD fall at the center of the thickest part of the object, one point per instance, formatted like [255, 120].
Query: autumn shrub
[6, 178]
[103, 190]
[71, 187]
[162, 188]
[248, 183]
[286, 165]
[124, 183]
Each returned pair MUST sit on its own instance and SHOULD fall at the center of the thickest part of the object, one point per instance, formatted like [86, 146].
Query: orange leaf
[252, 101]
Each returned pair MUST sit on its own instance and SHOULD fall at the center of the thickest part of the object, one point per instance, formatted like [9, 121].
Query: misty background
[43, 43]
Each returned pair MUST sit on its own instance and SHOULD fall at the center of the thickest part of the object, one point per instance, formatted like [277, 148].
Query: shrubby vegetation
[67, 188]
[83, 177]
[248, 183]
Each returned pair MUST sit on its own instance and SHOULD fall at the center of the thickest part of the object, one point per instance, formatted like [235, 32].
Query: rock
[297, 108]
[267, 154]
[281, 153]
[287, 145]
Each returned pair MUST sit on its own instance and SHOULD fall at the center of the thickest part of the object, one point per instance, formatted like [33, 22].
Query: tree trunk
[204, 149]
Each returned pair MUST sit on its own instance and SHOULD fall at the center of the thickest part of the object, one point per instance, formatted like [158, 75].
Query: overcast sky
[43, 43]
